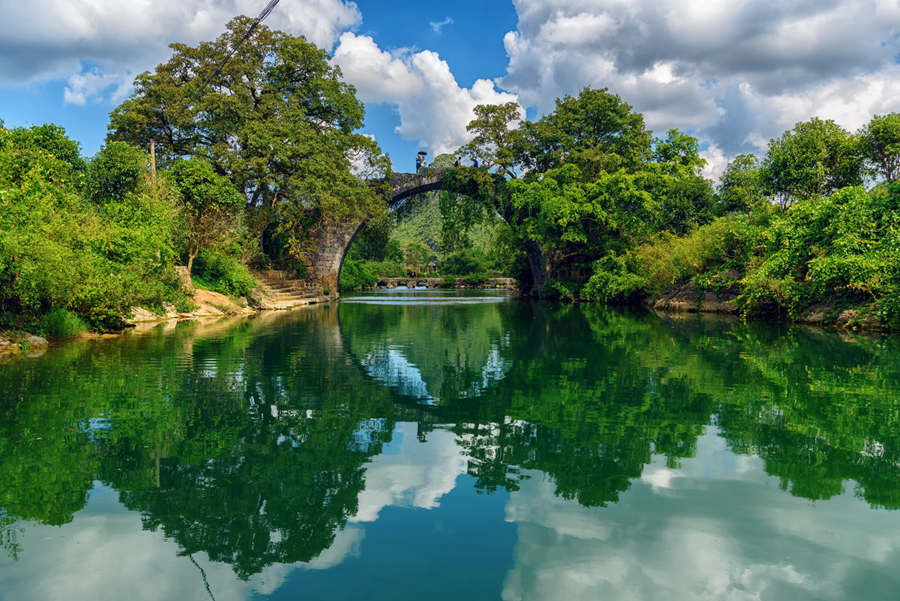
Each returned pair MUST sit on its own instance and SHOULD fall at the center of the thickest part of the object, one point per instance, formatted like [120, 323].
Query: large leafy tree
[816, 158]
[595, 130]
[594, 179]
[277, 120]
[740, 188]
[881, 146]
[497, 141]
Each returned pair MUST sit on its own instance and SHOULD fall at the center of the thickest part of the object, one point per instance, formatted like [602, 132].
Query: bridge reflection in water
[616, 454]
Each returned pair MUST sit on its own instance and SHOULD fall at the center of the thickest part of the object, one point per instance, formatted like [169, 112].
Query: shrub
[58, 251]
[356, 275]
[117, 171]
[726, 243]
[477, 279]
[447, 282]
[388, 269]
[464, 262]
[219, 272]
[613, 283]
[842, 250]
[60, 324]
[563, 290]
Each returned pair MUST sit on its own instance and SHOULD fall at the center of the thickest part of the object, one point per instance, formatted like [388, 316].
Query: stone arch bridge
[333, 241]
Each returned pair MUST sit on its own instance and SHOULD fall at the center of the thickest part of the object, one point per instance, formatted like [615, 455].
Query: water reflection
[637, 457]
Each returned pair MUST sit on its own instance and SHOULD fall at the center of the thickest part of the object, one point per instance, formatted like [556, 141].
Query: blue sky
[732, 72]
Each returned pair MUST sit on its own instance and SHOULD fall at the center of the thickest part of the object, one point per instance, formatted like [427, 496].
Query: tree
[496, 136]
[679, 151]
[277, 121]
[119, 169]
[881, 145]
[417, 254]
[596, 130]
[815, 158]
[740, 188]
[210, 203]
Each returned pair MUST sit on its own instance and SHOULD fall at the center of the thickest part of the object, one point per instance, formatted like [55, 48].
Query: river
[447, 445]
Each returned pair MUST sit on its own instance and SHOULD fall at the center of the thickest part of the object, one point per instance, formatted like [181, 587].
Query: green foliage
[462, 263]
[595, 183]
[881, 146]
[815, 158]
[447, 282]
[117, 171]
[373, 240]
[44, 148]
[679, 150]
[60, 324]
[388, 269]
[612, 282]
[496, 141]
[596, 131]
[48, 138]
[476, 279]
[59, 250]
[357, 275]
[741, 188]
[278, 122]
[563, 290]
[839, 250]
[219, 272]
[836, 252]
[210, 204]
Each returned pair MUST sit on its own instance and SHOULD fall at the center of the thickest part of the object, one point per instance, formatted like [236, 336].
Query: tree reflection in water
[250, 441]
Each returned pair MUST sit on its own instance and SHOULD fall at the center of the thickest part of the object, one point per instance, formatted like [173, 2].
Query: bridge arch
[331, 242]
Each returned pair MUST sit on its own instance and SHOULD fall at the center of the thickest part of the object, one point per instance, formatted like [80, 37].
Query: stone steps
[283, 292]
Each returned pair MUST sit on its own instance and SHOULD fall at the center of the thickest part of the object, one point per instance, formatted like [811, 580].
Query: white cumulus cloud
[734, 72]
[97, 45]
[434, 110]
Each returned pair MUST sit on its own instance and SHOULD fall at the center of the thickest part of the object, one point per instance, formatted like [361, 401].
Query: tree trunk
[192, 254]
[538, 266]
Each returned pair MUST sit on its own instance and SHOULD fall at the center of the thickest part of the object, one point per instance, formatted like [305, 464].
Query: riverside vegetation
[615, 216]
[581, 204]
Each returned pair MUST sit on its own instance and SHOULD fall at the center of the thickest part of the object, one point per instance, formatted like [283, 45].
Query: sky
[734, 73]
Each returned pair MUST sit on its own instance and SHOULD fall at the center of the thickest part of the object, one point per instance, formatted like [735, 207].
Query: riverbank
[208, 305]
[690, 299]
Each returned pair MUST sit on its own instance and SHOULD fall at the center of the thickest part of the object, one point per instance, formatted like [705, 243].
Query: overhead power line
[265, 13]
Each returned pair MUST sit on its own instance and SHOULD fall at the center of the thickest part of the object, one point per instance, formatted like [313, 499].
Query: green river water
[448, 446]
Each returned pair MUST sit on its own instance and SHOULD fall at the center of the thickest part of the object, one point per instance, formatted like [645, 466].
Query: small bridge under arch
[333, 241]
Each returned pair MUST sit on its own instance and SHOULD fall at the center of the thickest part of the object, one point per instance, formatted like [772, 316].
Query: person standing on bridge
[420, 160]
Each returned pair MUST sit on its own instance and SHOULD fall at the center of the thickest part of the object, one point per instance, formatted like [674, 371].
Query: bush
[447, 282]
[613, 283]
[60, 324]
[724, 244]
[464, 262]
[60, 251]
[388, 269]
[561, 290]
[117, 171]
[357, 275]
[477, 279]
[219, 272]
[843, 250]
